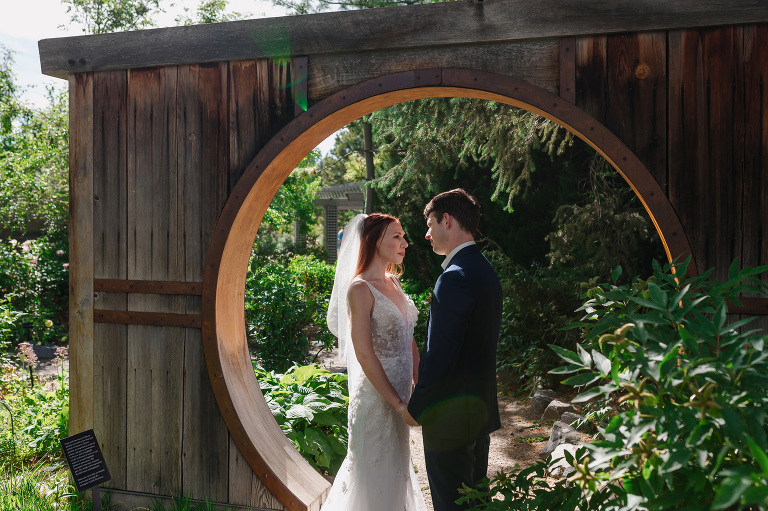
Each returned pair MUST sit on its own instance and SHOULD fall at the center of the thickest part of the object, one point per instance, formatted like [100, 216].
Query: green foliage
[422, 299]
[310, 405]
[450, 133]
[210, 11]
[293, 200]
[33, 290]
[607, 230]
[34, 157]
[43, 486]
[539, 304]
[186, 504]
[690, 429]
[285, 308]
[529, 490]
[102, 16]
[33, 418]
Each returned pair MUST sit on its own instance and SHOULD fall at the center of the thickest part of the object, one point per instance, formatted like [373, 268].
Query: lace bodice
[391, 330]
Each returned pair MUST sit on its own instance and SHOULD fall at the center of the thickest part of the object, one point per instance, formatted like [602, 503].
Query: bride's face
[392, 245]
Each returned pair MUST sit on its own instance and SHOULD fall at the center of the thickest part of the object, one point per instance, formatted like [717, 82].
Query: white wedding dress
[377, 474]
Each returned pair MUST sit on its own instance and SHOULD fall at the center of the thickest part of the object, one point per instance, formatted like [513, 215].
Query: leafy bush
[33, 290]
[33, 418]
[285, 309]
[422, 299]
[317, 279]
[310, 405]
[539, 303]
[690, 431]
[39, 487]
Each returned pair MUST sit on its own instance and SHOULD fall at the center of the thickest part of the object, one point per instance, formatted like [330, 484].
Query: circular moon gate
[258, 437]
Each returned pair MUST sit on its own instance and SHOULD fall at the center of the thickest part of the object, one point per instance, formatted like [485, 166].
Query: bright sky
[24, 23]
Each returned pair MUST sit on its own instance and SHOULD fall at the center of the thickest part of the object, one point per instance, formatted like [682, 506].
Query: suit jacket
[455, 397]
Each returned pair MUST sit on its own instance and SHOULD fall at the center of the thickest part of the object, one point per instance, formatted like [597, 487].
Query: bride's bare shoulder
[360, 296]
[359, 289]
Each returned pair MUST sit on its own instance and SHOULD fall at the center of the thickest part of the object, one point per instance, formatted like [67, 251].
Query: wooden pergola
[180, 137]
[333, 199]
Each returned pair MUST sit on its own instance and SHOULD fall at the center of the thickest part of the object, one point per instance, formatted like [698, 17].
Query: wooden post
[81, 252]
[368, 140]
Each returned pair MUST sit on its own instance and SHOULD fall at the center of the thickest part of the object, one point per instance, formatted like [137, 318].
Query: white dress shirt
[448, 258]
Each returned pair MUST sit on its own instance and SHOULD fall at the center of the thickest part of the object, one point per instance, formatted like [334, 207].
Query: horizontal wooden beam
[465, 22]
[750, 307]
[155, 287]
[148, 318]
[535, 62]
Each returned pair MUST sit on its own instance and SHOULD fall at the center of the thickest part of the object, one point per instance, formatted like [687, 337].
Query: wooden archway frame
[260, 440]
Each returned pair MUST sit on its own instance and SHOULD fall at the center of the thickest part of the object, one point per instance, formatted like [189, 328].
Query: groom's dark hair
[460, 205]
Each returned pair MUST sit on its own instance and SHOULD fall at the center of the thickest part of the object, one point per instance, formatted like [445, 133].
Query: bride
[369, 307]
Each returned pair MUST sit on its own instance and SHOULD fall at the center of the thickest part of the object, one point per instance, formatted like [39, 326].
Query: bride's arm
[360, 307]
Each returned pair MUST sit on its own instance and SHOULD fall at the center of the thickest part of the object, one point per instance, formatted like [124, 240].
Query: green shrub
[539, 303]
[33, 418]
[310, 405]
[43, 486]
[690, 431]
[422, 299]
[285, 309]
[33, 290]
[316, 277]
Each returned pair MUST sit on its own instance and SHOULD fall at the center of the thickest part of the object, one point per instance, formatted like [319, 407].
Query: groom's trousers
[450, 465]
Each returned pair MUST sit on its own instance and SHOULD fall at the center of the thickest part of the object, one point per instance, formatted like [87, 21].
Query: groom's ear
[448, 220]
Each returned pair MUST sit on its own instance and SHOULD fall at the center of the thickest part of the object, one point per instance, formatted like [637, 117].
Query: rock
[559, 467]
[44, 351]
[538, 405]
[562, 433]
[546, 393]
[571, 419]
[555, 409]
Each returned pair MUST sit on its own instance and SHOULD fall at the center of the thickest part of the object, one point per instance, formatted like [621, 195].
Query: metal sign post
[86, 463]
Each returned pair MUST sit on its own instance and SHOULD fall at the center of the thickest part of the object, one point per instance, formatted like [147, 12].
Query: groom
[455, 398]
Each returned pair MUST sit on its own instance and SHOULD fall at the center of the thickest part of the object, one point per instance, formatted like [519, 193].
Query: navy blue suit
[455, 399]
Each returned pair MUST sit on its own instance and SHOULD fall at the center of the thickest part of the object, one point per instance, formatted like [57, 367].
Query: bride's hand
[403, 411]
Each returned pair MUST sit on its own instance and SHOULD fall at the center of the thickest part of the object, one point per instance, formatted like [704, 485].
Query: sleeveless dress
[377, 474]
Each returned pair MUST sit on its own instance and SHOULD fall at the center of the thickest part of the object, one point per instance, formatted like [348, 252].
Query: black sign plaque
[86, 463]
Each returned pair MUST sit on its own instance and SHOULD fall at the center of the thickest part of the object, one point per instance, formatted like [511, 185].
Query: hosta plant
[310, 406]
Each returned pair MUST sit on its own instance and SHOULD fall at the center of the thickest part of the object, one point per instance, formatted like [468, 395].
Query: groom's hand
[408, 419]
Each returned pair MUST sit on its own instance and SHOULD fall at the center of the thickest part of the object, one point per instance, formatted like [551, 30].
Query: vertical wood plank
[754, 192]
[568, 69]
[249, 100]
[723, 75]
[300, 85]
[636, 108]
[591, 75]
[155, 354]
[245, 489]
[281, 107]
[202, 121]
[688, 165]
[81, 252]
[110, 252]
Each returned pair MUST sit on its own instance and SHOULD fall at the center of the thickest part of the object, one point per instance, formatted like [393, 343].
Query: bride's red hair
[374, 227]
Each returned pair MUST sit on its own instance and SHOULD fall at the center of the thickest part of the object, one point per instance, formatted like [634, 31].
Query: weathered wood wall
[693, 105]
[164, 147]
